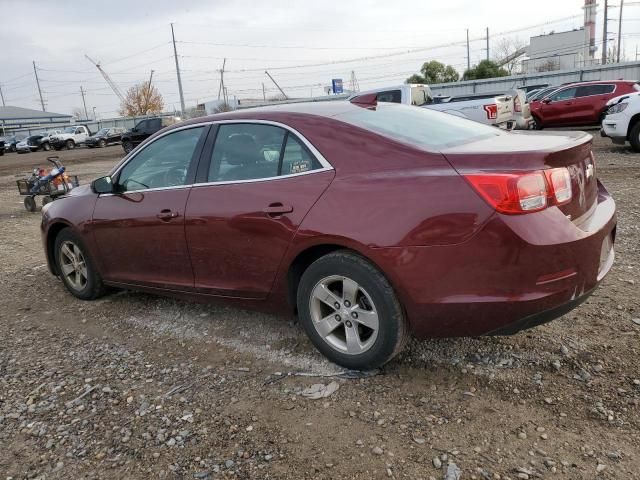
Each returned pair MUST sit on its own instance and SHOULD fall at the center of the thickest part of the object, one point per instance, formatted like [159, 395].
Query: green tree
[485, 69]
[435, 72]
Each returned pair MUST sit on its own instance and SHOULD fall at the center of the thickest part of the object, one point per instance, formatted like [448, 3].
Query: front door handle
[277, 208]
[166, 215]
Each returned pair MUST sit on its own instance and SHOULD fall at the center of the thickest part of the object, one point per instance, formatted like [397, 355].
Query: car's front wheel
[102, 144]
[634, 137]
[75, 267]
[350, 311]
[70, 144]
[127, 145]
[46, 147]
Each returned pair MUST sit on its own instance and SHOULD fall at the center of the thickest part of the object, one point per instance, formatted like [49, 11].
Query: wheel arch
[52, 233]
[635, 119]
[310, 254]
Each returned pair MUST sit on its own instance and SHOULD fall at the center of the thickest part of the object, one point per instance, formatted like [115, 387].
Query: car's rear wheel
[634, 137]
[30, 204]
[46, 147]
[70, 144]
[102, 143]
[75, 267]
[127, 145]
[350, 311]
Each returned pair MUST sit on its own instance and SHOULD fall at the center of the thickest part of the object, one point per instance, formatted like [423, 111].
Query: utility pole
[604, 33]
[148, 94]
[221, 87]
[276, 84]
[94, 114]
[175, 56]
[38, 83]
[468, 56]
[487, 43]
[620, 30]
[264, 95]
[3, 104]
[86, 115]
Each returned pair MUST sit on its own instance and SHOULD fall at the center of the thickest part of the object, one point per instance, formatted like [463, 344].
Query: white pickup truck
[70, 137]
[622, 122]
[496, 111]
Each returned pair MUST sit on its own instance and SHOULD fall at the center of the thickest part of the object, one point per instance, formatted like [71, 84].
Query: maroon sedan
[370, 221]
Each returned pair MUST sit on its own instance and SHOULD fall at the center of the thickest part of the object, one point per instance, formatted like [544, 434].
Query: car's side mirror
[546, 100]
[103, 185]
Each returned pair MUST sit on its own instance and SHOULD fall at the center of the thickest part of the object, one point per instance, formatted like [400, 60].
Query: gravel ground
[136, 386]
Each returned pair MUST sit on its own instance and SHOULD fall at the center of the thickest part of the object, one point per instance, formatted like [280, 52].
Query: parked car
[105, 136]
[70, 137]
[540, 93]
[371, 221]
[143, 130]
[45, 141]
[622, 122]
[11, 142]
[496, 111]
[580, 104]
[29, 144]
[518, 98]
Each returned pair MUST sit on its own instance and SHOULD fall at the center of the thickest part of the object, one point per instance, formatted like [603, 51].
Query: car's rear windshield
[417, 125]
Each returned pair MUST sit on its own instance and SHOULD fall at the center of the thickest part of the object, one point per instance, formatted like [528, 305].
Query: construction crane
[111, 83]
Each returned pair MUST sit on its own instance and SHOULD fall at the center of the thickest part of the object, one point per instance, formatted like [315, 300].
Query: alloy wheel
[73, 265]
[344, 315]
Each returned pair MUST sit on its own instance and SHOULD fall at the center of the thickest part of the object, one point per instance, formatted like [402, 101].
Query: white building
[558, 51]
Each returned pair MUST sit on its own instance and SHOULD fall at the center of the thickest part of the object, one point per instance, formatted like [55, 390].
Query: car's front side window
[161, 164]
[566, 94]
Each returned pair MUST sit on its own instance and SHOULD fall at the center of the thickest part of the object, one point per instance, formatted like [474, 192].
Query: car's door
[139, 230]
[258, 183]
[556, 109]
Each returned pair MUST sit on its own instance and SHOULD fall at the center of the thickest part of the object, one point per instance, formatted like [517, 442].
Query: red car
[583, 103]
[370, 221]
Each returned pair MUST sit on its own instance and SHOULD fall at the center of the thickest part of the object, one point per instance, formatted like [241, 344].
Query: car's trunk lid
[531, 151]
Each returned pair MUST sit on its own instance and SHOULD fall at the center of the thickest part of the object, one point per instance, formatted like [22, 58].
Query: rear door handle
[277, 208]
[166, 215]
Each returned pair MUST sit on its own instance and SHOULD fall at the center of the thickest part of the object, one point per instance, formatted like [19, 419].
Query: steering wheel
[175, 176]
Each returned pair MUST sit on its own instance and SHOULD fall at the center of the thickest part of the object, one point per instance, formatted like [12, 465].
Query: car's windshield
[70, 130]
[418, 126]
[102, 131]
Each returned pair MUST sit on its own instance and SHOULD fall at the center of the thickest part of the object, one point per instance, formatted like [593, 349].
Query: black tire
[46, 147]
[93, 287]
[30, 204]
[392, 333]
[634, 137]
[536, 123]
[70, 144]
[127, 145]
[46, 199]
[102, 144]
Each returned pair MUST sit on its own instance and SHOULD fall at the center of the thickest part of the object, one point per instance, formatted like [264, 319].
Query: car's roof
[325, 109]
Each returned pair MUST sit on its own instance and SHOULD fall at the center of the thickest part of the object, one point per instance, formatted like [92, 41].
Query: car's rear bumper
[515, 273]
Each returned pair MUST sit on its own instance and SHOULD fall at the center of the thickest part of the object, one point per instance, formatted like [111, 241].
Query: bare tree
[504, 50]
[142, 99]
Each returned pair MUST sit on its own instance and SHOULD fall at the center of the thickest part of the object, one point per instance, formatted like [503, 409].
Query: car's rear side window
[418, 126]
[252, 151]
[597, 89]
[391, 96]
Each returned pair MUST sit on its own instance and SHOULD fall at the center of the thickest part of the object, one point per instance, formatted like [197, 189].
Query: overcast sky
[292, 39]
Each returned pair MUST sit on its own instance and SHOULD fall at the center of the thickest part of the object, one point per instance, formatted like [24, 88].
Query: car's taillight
[492, 111]
[526, 192]
[517, 105]
[559, 180]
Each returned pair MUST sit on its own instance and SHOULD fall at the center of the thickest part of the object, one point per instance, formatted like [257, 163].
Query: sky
[303, 44]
